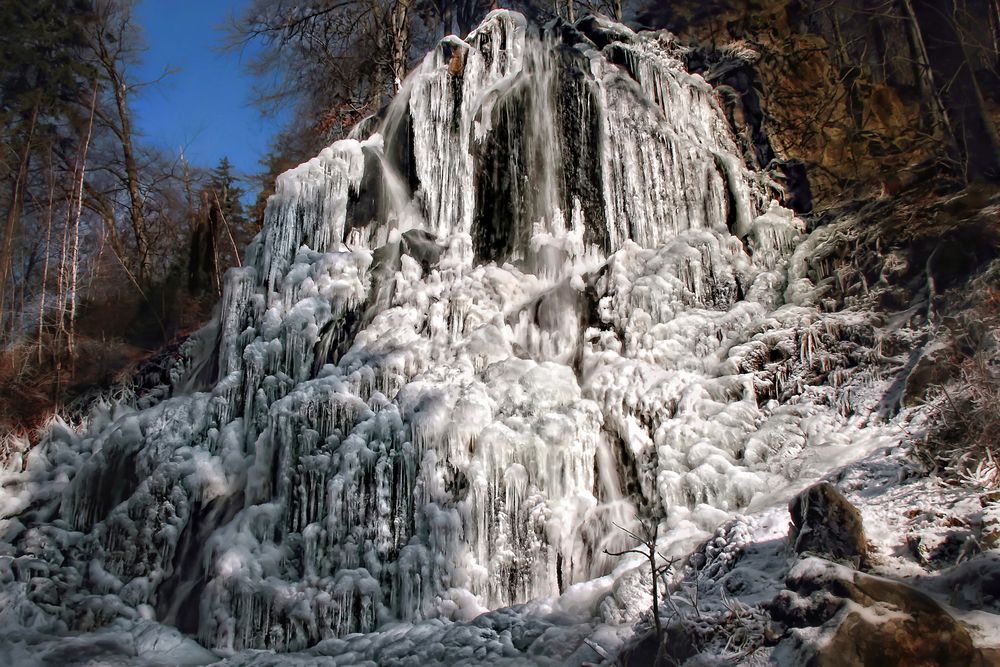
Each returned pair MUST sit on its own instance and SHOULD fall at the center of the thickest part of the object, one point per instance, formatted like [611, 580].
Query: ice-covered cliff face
[544, 295]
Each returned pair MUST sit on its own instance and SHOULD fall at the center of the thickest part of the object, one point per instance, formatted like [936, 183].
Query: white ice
[395, 446]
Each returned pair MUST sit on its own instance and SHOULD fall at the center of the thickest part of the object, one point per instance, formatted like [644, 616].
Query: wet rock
[825, 522]
[839, 616]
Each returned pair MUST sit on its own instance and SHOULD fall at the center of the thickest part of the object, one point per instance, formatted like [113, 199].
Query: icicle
[457, 356]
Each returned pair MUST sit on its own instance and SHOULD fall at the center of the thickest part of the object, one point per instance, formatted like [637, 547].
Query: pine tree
[219, 231]
[226, 190]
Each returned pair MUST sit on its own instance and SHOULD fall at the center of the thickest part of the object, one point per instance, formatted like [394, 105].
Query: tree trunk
[77, 212]
[136, 214]
[995, 30]
[400, 46]
[48, 251]
[7, 251]
[932, 114]
[468, 14]
[109, 52]
[971, 131]
[446, 16]
[202, 249]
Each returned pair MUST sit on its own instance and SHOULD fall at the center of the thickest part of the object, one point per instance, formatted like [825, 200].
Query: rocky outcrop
[839, 83]
[835, 615]
[825, 522]
[839, 616]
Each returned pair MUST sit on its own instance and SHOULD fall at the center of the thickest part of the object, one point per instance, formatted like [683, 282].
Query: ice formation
[544, 295]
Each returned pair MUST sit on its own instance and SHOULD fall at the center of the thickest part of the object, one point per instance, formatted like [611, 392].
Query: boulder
[824, 522]
[845, 618]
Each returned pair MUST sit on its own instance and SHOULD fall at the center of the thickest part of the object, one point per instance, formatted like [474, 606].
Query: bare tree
[41, 83]
[454, 16]
[970, 129]
[399, 41]
[113, 39]
[13, 215]
[646, 547]
[323, 54]
[77, 211]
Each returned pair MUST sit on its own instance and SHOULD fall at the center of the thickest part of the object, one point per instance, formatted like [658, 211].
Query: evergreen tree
[219, 231]
[40, 47]
[227, 193]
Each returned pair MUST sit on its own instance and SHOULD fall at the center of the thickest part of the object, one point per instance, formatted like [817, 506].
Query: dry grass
[963, 438]
[25, 385]
[36, 380]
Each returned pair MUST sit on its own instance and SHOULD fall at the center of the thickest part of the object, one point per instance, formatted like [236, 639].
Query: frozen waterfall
[544, 295]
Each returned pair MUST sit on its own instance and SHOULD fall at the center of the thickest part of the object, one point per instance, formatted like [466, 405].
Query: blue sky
[202, 108]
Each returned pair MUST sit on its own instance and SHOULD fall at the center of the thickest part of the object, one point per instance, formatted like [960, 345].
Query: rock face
[856, 65]
[845, 618]
[825, 522]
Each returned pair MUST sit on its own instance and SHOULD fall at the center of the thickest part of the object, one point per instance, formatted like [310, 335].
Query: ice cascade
[544, 293]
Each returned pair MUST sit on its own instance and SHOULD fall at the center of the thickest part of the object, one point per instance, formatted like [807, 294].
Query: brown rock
[878, 622]
[923, 640]
[825, 522]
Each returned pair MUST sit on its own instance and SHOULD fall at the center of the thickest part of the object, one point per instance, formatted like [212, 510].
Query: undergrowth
[962, 443]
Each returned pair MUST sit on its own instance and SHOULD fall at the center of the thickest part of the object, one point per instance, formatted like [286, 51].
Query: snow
[416, 448]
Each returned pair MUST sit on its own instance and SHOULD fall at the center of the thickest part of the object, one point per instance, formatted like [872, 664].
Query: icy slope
[542, 296]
